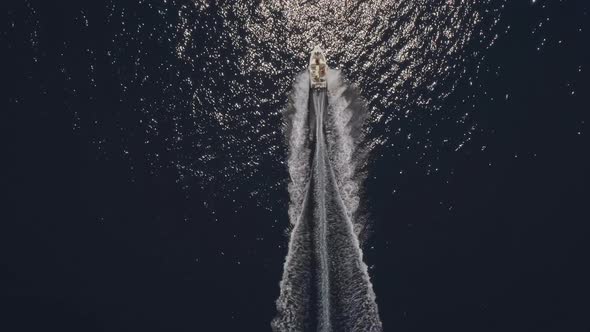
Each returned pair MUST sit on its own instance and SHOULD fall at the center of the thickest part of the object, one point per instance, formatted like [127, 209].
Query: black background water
[143, 191]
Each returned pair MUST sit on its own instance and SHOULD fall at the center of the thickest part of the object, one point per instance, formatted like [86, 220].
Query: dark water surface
[147, 177]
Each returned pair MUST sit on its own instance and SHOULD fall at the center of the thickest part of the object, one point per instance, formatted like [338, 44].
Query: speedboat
[317, 69]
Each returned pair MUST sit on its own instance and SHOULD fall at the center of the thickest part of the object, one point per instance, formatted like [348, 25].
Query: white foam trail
[319, 167]
[347, 115]
[325, 285]
[297, 135]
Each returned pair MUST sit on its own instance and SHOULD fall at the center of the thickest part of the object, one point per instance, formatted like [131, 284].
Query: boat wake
[325, 285]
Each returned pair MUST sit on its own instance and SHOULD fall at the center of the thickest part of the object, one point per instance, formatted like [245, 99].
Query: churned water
[325, 285]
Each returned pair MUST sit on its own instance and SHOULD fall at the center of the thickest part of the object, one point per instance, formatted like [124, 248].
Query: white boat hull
[318, 69]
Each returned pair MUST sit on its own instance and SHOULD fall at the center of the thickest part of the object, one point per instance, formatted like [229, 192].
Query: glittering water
[202, 84]
[239, 60]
